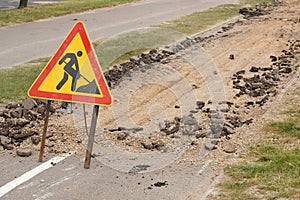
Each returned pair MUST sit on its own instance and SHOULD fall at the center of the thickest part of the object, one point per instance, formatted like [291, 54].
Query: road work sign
[73, 74]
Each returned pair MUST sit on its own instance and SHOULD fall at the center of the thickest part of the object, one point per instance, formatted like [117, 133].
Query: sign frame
[104, 100]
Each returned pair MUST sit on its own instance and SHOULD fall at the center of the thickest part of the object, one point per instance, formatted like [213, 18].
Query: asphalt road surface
[10, 4]
[25, 42]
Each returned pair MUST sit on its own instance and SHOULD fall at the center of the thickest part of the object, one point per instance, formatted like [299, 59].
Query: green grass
[200, 21]
[288, 127]
[16, 81]
[275, 174]
[43, 11]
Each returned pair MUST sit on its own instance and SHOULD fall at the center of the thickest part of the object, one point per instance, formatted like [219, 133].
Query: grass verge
[16, 81]
[43, 11]
[200, 21]
[273, 172]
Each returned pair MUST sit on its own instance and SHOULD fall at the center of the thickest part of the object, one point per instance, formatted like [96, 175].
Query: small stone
[24, 152]
[200, 135]
[22, 135]
[210, 146]
[228, 124]
[231, 56]
[215, 142]
[254, 69]
[194, 111]
[189, 125]
[273, 58]
[135, 59]
[122, 136]
[22, 122]
[4, 140]
[42, 181]
[29, 103]
[229, 148]
[172, 128]
[250, 103]
[160, 184]
[15, 114]
[5, 143]
[286, 70]
[189, 120]
[8, 147]
[240, 72]
[224, 110]
[147, 145]
[35, 140]
[41, 109]
[162, 126]
[200, 104]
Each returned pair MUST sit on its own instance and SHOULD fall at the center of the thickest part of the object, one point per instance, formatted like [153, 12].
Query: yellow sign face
[57, 73]
[73, 74]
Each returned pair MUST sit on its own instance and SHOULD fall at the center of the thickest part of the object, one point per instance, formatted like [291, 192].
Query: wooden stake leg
[44, 131]
[91, 137]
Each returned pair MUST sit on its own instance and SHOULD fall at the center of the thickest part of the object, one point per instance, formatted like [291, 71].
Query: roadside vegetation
[200, 21]
[16, 81]
[273, 165]
[43, 11]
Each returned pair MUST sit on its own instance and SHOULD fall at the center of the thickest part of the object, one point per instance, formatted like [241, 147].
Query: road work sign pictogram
[73, 74]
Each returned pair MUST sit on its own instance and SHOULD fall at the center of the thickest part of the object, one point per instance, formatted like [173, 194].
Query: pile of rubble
[114, 75]
[19, 121]
[264, 80]
[259, 9]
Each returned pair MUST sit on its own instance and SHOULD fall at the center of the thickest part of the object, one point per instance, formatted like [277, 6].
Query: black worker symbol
[71, 69]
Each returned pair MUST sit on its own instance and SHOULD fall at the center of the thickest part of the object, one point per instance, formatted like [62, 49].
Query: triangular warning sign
[73, 74]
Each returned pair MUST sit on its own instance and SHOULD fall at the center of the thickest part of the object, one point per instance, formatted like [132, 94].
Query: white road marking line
[32, 173]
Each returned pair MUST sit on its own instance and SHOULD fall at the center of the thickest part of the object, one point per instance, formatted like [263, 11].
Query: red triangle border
[105, 100]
